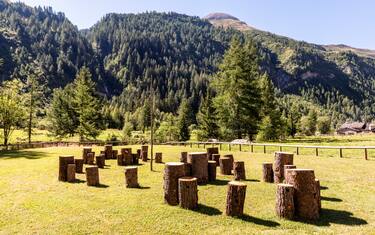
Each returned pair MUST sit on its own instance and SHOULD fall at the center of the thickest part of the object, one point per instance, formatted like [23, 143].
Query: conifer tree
[183, 122]
[207, 118]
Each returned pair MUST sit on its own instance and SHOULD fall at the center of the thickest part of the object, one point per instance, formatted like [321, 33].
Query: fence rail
[20, 146]
[280, 146]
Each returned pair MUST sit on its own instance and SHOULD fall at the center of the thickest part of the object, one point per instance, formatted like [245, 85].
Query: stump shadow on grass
[323, 187]
[143, 187]
[252, 180]
[219, 182]
[14, 154]
[258, 221]
[207, 210]
[101, 186]
[331, 216]
[331, 199]
[78, 181]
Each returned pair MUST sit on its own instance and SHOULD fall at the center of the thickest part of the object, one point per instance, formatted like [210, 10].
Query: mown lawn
[33, 201]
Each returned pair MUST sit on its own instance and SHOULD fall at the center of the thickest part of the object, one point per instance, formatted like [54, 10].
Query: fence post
[240, 147]
[229, 147]
[297, 151]
[264, 149]
[340, 152]
[316, 152]
[220, 146]
[365, 153]
[280, 148]
[252, 148]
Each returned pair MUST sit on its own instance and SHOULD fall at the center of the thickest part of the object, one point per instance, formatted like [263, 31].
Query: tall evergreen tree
[207, 118]
[183, 122]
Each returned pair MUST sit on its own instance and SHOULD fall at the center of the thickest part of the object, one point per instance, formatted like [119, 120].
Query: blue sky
[350, 22]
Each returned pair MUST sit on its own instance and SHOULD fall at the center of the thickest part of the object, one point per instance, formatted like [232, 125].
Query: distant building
[352, 128]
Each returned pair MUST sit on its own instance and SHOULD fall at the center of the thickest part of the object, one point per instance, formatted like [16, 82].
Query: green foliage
[183, 121]
[168, 130]
[324, 125]
[308, 123]
[207, 119]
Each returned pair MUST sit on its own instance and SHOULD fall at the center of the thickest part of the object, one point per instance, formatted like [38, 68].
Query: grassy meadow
[32, 201]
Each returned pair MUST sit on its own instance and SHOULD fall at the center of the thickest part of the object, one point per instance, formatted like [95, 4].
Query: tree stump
[139, 151]
[108, 151]
[71, 174]
[92, 176]
[235, 198]
[285, 201]
[305, 193]
[187, 169]
[64, 161]
[183, 157]
[267, 172]
[172, 172]
[211, 171]
[90, 158]
[100, 161]
[127, 159]
[131, 177]
[225, 166]
[199, 166]
[114, 154]
[212, 150]
[86, 150]
[286, 168]
[158, 157]
[230, 156]
[144, 153]
[216, 158]
[319, 198]
[281, 159]
[188, 192]
[79, 165]
[239, 170]
[135, 158]
[120, 159]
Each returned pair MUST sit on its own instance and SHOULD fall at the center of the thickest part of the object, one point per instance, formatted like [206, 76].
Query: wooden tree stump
[86, 150]
[267, 172]
[71, 174]
[183, 157]
[158, 157]
[188, 192]
[239, 170]
[305, 193]
[286, 168]
[212, 150]
[281, 159]
[64, 161]
[235, 198]
[131, 177]
[120, 159]
[144, 153]
[216, 158]
[127, 159]
[285, 201]
[100, 160]
[114, 154]
[211, 171]
[199, 166]
[90, 158]
[92, 176]
[230, 156]
[319, 198]
[225, 166]
[108, 151]
[79, 165]
[135, 158]
[172, 172]
[139, 152]
[187, 169]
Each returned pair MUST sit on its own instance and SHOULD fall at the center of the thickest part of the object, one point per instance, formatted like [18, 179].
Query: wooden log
[286, 168]
[267, 172]
[187, 169]
[131, 177]
[100, 160]
[114, 154]
[71, 174]
[64, 161]
[216, 158]
[135, 158]
[212, 150]
[92, 176]
[183, 157]
[172, 172]
[285, 201]
[211, 171]
[86, 150]
[108, 151]
[188, 192]
[230, 156]
[225, 166]
[319, 198]
[139, 151]
[79, 165]
[239, 170]
[235, 198]
[199, 166]
[158, 157]
[125, 151]
[90, 158]
[144, 153]
[305, 193]
[120, 160]
[127, 159]
[281, 159]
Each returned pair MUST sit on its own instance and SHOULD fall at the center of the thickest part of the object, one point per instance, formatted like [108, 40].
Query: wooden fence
[279, 146]
[20, 146]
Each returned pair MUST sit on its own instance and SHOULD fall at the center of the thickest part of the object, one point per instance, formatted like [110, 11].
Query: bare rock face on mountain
[227, 21]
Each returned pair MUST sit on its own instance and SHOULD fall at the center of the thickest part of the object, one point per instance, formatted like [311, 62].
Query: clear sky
[350, 22]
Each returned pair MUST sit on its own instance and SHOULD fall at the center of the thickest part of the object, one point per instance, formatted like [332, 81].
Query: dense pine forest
[195, 77]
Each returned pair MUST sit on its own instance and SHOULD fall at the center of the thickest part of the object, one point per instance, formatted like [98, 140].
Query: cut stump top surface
[174, 163]
[187, 178]
[237, 183]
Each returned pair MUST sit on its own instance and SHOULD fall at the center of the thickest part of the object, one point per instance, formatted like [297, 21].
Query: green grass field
[32, 201]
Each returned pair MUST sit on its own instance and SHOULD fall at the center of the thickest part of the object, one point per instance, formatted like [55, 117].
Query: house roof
[353, 125]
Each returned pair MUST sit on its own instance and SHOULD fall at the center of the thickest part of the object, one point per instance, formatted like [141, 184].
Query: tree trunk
[172, 172]
[285, 201]
[108, 151]
[79, 165]
[144, 153]
[216, 158]
[212, 150]
[267, 172]
[135, 158]
[305, 193]
[183, 157]
[90, 157]
[71, 174]
[235, 198]
[120, 159]
[92, 176]
[225, 166]
[114, 154]
[230, 156]
[86, 150]
[188, 192]
[211, 171]
[281, 159]
[100, 161]
[64, 161]
[158, 157]
[199, 166]
[239, 170]
[131, 177]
